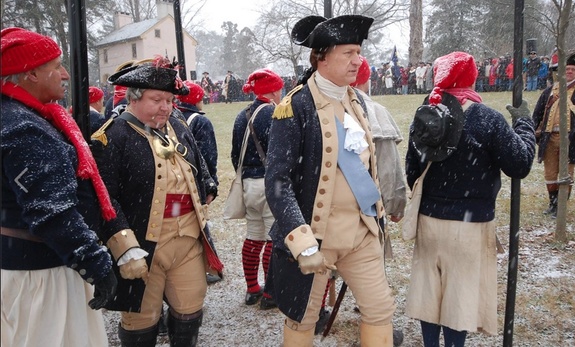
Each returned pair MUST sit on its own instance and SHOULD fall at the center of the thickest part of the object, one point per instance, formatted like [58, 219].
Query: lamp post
[327, 13]
[79, 79]
[180, 39]
[515, 183]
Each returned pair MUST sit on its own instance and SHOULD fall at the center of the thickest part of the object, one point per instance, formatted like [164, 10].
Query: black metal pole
[515, 183]
[327, 13]
[180, 40]
[79, 79]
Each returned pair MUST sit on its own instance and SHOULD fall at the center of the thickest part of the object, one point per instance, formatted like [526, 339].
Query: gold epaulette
[284, 110]
[100, 134]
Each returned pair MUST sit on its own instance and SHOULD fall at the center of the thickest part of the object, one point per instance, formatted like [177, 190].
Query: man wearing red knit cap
[465, 146]
[191, 106]
[252, 126]
[386, 136]
[96, 99]
[53, 199]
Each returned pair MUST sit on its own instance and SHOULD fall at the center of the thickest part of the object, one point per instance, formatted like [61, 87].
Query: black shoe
[322, 321]
[267, 303]
[252, 298]
[397, 338]
[551, 209]
[212, 278]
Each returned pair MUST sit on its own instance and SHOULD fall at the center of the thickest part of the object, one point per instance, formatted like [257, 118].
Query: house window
[105, 56]
[134, 52]
[157, 32]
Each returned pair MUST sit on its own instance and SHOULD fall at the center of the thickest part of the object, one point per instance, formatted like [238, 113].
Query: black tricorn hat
[436, 130]
[150, 76]
[319, 32]
[570, 59]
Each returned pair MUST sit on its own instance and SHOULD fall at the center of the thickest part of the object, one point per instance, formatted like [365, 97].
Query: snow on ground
[545, 313]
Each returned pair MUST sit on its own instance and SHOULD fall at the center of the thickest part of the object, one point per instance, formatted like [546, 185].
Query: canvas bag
[409, 227]
[235, 208]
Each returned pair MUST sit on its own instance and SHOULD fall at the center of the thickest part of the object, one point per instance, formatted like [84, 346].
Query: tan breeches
[178, 272]
[259, 218]
[551, 161]
[362, 268]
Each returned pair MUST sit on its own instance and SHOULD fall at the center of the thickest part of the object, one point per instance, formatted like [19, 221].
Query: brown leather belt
[19, 234]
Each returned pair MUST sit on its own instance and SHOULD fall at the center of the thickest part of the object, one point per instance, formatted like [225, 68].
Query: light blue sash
[356, 175]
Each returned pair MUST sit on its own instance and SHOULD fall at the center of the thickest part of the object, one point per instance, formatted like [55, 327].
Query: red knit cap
[455, 70]
[95, 94]
[363, 73]
[23, 50]
[196, 93]
[263, 81]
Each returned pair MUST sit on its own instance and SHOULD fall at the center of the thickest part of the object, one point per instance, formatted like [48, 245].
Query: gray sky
[242, 12]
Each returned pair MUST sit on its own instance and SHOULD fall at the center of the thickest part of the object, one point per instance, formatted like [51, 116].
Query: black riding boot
[184, 332]
[138, 338]
[552, 210]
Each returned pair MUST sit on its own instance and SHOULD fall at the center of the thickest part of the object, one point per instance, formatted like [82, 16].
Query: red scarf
[464, 94]
[263, 98]
[62, 121]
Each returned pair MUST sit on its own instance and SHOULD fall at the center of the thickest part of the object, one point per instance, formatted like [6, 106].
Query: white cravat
[329, 88]
[354, 135]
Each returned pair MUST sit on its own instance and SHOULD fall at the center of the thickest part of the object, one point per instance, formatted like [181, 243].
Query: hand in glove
[314, 263]
[135, 268]
[521, 111]
[104, 291]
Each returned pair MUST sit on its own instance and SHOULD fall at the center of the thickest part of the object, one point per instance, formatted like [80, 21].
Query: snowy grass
[545, 302]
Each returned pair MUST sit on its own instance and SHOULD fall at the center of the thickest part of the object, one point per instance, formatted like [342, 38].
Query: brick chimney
[121, 19]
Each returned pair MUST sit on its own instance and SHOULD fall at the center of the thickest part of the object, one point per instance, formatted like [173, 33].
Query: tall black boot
[138, 338]
[184, 332]
[552, 210]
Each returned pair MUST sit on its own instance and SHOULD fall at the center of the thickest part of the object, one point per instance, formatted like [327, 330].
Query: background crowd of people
[494, 74]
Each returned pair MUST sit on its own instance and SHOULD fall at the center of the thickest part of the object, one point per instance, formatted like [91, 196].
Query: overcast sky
[245, 13]
[242, 12]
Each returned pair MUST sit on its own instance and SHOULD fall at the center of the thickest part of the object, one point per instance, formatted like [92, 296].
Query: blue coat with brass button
[126, 163]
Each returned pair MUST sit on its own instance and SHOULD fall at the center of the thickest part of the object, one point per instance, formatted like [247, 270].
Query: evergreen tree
[228, 59]
[453, 26]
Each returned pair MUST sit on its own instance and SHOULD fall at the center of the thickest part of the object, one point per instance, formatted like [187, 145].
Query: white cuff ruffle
[133, 253]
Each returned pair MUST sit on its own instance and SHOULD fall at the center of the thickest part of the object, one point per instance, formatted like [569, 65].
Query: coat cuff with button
[300, 239]
[121, 242]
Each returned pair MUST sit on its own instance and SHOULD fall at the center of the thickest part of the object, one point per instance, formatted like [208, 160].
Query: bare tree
[276, 22]
[555, 19]
[565, 10]
[416, 31]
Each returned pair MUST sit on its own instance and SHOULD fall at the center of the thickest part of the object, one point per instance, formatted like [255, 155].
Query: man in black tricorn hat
[546, 117]
[158, 183]
[321, 187]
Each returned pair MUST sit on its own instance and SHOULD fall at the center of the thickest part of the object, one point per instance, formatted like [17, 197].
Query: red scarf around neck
[61, 120]
[464, 94]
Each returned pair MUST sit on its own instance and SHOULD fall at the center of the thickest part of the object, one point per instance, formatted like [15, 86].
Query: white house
[142, 40]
